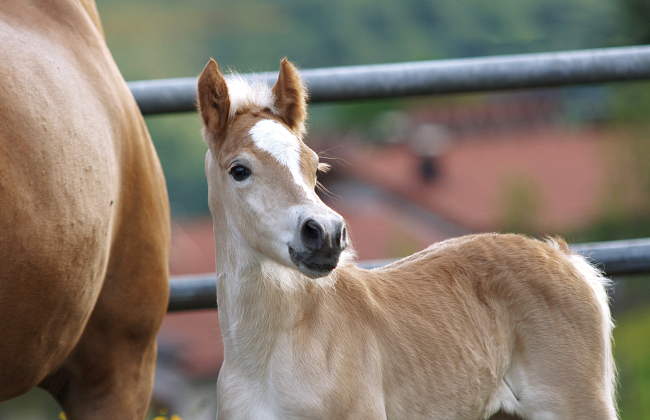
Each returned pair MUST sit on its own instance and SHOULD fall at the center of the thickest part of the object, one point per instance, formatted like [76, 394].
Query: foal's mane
[246, 94]
[286, 100]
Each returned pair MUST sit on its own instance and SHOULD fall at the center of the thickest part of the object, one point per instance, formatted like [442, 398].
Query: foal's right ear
[214, 103]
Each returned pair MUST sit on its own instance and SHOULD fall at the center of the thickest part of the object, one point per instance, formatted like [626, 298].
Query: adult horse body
[465, 329]
[84, 217]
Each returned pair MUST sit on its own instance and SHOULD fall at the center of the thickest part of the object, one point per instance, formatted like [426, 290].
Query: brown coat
[84, 217]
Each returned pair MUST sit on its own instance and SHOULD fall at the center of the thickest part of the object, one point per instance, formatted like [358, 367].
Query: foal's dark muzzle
[320, 242]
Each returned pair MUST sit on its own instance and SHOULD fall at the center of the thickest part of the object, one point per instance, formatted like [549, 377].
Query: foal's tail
[599, 284]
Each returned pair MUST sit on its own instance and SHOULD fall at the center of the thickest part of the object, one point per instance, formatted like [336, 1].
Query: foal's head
[261, 175]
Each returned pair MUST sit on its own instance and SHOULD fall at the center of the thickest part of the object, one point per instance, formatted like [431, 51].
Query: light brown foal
[465, 329]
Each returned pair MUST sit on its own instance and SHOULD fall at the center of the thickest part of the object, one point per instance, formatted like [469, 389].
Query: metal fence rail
[614, 258]
[428, 77]
[522, 71]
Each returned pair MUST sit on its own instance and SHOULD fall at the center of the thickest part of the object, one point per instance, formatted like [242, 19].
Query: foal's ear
[290, 97]
[214, 103]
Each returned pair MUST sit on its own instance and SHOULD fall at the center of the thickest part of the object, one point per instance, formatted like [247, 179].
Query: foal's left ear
[290, 98]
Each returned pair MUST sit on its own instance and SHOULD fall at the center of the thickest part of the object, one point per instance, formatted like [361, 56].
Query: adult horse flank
[465, 329]
[84, 217]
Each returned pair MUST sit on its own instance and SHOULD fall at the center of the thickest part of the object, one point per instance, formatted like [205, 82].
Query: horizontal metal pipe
[428, 77]
[192, 292]
[614, 258]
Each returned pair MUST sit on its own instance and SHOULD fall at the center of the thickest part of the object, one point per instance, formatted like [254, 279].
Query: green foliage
[163, 38]
[632, 341]
[637, 16]
[181, 149]
[520, 204]
[614, 227]
[35, 404]
[631, 102]
[626, 205]
[160, 38]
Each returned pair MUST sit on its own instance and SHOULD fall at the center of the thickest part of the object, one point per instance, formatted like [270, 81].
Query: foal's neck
[256, 292]
[258, 296]
[256, 313]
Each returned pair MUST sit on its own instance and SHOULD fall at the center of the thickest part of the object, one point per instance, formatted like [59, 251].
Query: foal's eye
[239, 172]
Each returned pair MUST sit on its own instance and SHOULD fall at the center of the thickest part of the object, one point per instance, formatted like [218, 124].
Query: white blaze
[274, 138]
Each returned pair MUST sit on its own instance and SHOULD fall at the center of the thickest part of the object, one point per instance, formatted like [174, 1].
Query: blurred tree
[637, 17]
[182, 154]
[163, 38]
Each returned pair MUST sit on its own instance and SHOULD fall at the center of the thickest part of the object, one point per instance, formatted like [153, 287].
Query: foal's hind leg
[109, 374]
[555, 383]
[548, 403]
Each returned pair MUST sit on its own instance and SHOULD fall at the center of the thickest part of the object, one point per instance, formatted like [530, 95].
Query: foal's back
[517, 324]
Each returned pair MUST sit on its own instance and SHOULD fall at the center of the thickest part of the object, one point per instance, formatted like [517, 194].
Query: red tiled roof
[194, 338]
[566, 168]
[192, 248]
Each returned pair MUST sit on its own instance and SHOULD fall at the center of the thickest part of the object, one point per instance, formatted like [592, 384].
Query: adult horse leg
[109, 374]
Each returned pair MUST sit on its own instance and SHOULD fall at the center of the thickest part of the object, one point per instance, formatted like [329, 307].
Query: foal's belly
[282, 396]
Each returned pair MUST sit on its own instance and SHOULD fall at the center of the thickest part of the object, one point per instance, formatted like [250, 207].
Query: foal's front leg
[367, 412]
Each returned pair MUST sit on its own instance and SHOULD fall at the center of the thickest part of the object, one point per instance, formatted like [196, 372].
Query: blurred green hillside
[163, 38]
[632, 341]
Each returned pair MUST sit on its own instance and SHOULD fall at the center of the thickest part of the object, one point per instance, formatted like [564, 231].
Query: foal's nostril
[312, 234]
